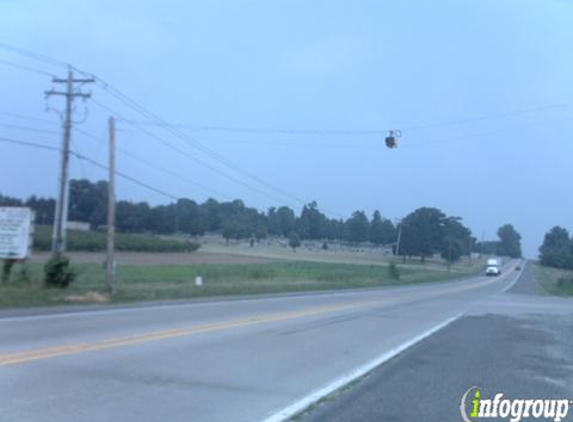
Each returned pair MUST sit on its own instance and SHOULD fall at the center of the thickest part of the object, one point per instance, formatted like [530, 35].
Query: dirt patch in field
[143, 258]
[88, 297]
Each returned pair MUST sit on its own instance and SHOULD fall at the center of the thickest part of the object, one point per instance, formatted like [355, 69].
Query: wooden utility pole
[449, 253]
[470, 250]
[397, 251]
[60, 217]
[110, 261]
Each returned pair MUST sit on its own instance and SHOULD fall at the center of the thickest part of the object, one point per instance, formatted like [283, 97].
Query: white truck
[493, 267]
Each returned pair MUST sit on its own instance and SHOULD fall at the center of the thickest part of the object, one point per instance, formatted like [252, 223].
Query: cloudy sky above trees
[323, 65]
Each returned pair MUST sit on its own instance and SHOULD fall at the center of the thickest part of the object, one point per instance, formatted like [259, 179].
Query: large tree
[281, 221]
[456, 239]
[557, 249]
[312, 222]
[509, 241]
[382, 231]
[422, 232]
[44, 209]
[357, 227]
[88, 202]
[190, 218]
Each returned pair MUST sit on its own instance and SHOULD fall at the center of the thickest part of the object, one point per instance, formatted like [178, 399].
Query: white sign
[15, 232]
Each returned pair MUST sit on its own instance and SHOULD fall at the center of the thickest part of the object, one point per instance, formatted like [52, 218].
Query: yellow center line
[70, 349]
[14, 358]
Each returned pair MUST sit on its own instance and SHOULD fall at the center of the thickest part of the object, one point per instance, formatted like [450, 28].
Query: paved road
[236, 360]
[513, 343]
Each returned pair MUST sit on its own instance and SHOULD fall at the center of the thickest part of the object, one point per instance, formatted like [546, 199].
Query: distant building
[78, 225]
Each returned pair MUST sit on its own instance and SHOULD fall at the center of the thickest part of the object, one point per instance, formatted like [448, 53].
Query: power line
[26, 68]
[35, 56]
[29, 118]
[126, 100]
[254, 130]
[286, 131]
[29, 144]
[482, 134]
[195, 159]
[490, 116]
[380, 147]
[192, 142]
[60, 63]
[18, 127]
[125, 176]
[89, 160]
[155, 166]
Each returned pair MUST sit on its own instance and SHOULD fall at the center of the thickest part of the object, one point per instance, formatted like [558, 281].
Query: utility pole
[449, 253]
[470, 244]
[110, 261]
[398, 240]
[399, 223]
[60, 218]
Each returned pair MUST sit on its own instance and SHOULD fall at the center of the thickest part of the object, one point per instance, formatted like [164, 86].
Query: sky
[480, 89]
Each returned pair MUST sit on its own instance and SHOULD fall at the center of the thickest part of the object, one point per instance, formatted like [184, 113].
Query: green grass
[553, 280]
[164, 282]
[94, 241]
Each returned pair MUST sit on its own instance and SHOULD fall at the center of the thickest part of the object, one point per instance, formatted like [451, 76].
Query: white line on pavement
[313, 397]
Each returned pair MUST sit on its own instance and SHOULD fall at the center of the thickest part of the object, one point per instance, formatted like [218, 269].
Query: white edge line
[304, 402]
[523, 265]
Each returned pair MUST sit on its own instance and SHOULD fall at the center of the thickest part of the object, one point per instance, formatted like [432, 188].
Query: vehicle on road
[493, 267]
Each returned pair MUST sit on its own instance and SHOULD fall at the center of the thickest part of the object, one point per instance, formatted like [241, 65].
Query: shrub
[394, 271]
[7, 268]
[260, 273]
[294, 241]
[58, 272]
[565, 284]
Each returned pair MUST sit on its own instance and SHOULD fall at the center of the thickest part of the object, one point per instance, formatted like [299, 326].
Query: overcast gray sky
[313, 65]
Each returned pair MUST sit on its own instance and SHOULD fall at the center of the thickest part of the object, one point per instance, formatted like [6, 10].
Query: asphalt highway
[250, 359]
[514, 343]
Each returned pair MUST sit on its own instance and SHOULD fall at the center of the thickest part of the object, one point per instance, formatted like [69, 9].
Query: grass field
[554, 281]
[163, 282]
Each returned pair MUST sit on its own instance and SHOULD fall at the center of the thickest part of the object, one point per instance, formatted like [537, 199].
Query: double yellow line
[25, 356]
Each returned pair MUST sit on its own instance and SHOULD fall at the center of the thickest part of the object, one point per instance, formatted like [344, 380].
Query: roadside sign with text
[15, 232]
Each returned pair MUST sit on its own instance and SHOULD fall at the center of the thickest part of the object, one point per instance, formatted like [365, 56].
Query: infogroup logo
[513, 409]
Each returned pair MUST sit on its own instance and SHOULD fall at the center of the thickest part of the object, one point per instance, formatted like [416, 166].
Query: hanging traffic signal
[392, 139]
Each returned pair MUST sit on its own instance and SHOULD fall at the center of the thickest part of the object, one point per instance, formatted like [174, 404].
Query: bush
[294, 241]
[394, 271]
[7, 268]
[565, 284]
[58, 272]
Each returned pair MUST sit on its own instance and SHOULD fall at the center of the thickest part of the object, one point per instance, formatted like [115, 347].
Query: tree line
[423, 233]
[233, 219]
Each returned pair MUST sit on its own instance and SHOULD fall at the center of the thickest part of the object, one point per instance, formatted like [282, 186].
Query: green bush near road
[57, 272]
[93, 241]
